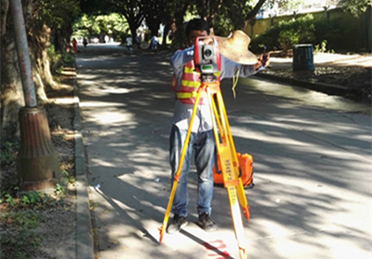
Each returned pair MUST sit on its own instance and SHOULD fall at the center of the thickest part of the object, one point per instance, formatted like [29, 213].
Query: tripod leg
[177, 174]
[229, 167]
[240, 188]
[216, 115]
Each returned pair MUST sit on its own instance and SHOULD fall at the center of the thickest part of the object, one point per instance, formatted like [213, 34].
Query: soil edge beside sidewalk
[84, 231]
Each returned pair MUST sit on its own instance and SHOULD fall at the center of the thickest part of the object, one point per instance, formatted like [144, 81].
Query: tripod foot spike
[246, 213]
[161, 232]
[242, 253]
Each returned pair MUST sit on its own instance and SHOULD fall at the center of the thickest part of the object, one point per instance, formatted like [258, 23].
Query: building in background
[297, 7]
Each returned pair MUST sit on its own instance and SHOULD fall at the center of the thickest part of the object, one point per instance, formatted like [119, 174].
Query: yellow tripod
[227, 158]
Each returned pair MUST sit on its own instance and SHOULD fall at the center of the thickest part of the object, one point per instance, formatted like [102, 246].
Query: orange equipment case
[246, 174]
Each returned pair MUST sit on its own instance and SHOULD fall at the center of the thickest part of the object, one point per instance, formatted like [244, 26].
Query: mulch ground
[43, 225]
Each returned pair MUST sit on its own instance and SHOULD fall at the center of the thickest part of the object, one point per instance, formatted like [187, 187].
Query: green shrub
[286, 34]
[336, 32]
[322, 47]
[295, 31]
[68, 59]
[268, 39]
[54, 57]
[288, 38]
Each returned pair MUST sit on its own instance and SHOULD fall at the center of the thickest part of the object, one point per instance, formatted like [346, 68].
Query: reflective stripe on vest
[190, 83]
[189, 95]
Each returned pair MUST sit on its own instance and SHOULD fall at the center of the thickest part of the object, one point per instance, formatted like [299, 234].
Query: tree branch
[252, 14]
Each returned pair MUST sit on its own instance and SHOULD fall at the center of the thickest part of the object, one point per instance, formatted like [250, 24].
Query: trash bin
[303, 57]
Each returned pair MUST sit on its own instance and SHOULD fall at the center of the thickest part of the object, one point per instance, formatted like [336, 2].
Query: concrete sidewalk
[326, 65]
[327, 59]
[84, 227]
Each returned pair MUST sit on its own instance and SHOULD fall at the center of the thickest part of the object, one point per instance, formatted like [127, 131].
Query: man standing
[185, 83]
[129, 43]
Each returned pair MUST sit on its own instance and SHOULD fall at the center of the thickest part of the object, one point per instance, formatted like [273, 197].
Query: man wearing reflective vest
[185, 83]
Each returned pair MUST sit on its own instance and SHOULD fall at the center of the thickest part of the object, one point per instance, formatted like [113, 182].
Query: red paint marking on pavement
[215, 246]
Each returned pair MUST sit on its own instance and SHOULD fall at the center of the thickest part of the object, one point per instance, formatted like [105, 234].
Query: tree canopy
[222, 15]
[113, 24]
[51, 21]
[355, 7]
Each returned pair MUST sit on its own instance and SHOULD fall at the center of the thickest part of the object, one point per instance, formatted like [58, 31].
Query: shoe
[206, 222]
[176, 224]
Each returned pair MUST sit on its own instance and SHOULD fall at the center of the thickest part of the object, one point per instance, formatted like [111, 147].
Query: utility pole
[37, 163]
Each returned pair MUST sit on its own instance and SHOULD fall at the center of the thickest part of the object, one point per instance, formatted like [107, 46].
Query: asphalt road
[312, 165]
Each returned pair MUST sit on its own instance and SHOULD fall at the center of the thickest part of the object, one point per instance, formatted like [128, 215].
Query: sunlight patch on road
[285, 124]
[86, 76]
[66, 100]
[101, 104]
[115, 90]
[119, 144]
[68, 72]
[258, 135]
[364, 137]
[111, 117]
[101, 162]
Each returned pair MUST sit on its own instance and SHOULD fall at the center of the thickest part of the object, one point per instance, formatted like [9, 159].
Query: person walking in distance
[154, 43]
[129, 43]
[185, 82]
[74, 45]
[85, 42]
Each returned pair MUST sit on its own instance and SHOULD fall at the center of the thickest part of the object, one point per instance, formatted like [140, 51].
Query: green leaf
[25, 200]
[9, 199]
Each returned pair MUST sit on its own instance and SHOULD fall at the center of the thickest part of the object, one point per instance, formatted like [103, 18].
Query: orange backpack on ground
[245, 170]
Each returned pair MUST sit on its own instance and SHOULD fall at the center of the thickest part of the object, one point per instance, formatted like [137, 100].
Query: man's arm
[180, 58]
[229, 68]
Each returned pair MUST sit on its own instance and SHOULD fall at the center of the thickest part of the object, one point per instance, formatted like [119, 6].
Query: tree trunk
[134, 21]
[252, 14]
[12, 98]
[180, 30]
[154, 25]
[57, 41]
[4, 14]
[40, 45]
[165, 33]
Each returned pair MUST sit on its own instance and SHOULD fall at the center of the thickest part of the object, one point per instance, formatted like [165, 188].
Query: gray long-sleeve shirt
[203, 119]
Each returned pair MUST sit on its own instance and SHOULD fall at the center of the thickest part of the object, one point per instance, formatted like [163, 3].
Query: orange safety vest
[190, 83]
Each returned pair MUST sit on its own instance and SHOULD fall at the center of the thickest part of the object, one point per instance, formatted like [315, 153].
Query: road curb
[320, 87]
[84, 234]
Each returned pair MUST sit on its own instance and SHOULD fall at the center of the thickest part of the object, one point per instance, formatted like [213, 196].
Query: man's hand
[208, 40]
[263, 61]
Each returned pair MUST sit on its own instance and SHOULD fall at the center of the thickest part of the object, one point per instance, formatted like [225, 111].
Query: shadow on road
[311, 164]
